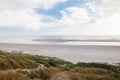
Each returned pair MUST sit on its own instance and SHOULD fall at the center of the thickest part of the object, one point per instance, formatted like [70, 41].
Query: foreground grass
[15, 61]
[13, 76]
[12, 65]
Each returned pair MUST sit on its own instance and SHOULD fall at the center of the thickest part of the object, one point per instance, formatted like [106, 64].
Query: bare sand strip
[73, 53]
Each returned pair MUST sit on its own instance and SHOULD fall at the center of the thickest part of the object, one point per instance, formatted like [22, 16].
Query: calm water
[103, 52]
[59, 40]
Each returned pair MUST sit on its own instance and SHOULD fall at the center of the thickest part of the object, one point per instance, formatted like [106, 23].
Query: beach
[73, 53]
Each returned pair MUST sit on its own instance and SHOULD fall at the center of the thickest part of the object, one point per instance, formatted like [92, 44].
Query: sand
[73, 53]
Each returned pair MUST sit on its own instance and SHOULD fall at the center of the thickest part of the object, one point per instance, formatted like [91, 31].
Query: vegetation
[15, 61]
[47, 61]
[13, 76]
[18, 66]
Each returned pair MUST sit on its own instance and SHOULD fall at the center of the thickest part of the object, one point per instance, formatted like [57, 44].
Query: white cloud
[47, 4]
[99, 17]
[74, 15]
[23, 18]
[105, 7]
[29, 4]
[21, 12]
[102, 26]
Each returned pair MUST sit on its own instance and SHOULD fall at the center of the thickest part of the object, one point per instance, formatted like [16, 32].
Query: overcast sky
[60, 17]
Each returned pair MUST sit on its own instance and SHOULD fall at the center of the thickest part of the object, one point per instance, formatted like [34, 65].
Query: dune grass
[13, 76]
[52, 69]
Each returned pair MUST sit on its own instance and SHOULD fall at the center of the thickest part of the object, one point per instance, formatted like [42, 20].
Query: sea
[61, 40]
[96, 49]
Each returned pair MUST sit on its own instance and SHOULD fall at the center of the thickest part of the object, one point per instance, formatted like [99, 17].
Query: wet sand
[73, 53]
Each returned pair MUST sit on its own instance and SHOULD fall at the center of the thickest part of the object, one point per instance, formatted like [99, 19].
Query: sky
[60, 17]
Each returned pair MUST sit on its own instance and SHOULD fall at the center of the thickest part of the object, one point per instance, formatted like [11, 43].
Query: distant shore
[77, 40]
[73, 53]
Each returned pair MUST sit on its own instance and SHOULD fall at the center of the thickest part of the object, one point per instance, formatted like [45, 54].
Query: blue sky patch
[55, 11]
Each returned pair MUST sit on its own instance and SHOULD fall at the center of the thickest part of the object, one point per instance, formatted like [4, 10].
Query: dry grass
[54, 69]
[13, 76]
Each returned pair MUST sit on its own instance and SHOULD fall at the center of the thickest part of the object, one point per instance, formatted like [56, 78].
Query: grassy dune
[19, 66]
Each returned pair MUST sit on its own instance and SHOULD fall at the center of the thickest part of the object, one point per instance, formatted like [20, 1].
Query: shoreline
[1, 43]
[73, 53]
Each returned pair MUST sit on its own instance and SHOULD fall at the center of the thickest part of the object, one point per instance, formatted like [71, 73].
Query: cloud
[29, 4]
[21, 13]
[104, 7]
[96, 17]
[74, 15]
[103, 26]
[99, 17]
[23, 18]
[91, 12]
